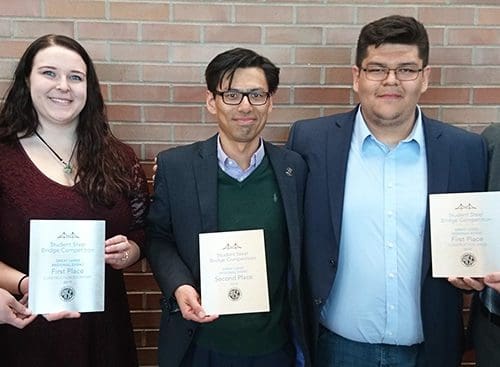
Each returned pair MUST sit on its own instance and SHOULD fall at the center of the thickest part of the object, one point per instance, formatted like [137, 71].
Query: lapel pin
[289, 171]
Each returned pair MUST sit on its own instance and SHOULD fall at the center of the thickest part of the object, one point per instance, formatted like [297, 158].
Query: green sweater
[253, 203]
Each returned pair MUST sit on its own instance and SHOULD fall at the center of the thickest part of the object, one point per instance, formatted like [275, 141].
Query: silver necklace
[68, 168]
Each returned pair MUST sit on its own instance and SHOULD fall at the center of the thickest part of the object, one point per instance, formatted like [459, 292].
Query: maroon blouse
[95, 339]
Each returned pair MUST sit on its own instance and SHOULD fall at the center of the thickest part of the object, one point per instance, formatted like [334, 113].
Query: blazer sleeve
[492, 136]
[168, 268]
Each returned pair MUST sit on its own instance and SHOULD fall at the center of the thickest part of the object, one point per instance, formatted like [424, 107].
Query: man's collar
[362, 133]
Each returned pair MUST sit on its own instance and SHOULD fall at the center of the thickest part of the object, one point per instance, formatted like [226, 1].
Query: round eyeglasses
[403, 73]
[235, 97]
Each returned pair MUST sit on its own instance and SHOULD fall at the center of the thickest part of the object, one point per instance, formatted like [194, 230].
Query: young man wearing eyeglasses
[367, 250]
[233, 181]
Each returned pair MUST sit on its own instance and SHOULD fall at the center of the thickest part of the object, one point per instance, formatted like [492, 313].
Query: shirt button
[391, 307]
[332, 262]
[390, 244]
[389, 213]
[318, 301]
[389, 333]
[391, 275]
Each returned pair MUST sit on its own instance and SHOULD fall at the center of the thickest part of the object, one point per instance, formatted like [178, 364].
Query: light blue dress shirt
[232, 168]
[376, 294]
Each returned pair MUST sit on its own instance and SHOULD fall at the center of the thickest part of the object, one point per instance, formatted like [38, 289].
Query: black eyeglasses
[403, 73]
[234, 97]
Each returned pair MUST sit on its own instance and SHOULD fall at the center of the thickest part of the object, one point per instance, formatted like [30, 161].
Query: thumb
[196, 306]
[492, 278]
[19, 308]
[201, 313]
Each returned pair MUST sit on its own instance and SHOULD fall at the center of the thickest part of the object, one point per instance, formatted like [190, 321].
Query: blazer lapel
[438, 165]
[438, 157]
[337, 153]
[205, 169]
[285, 176]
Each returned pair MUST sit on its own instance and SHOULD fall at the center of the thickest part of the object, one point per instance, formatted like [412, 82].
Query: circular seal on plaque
[468, 259]
[234, 294]
[67, 294]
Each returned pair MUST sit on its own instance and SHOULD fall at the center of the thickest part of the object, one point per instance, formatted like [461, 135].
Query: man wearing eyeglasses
[232, 181]
[367, 257]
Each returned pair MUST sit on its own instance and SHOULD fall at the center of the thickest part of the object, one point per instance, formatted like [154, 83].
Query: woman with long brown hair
[59, 160]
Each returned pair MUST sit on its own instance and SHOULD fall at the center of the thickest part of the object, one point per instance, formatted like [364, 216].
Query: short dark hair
[393, 29]
[225, 64]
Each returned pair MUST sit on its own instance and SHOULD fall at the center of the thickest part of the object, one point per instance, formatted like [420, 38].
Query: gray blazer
[184, 205]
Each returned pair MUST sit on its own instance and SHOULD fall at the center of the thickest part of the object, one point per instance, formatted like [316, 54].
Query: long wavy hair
[104, 170]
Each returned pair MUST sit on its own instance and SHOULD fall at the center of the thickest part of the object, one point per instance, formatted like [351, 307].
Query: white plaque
[233, 272]
[465, 234]
[66, 266]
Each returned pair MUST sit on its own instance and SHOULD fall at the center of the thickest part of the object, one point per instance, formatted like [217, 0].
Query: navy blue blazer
[456, 162]
[184, 205]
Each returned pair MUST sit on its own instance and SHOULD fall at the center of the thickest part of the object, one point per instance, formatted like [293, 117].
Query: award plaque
[233, 272]
[66, 266]
[465, 234]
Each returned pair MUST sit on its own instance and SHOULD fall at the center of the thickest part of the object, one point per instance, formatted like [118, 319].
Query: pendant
[68, 168]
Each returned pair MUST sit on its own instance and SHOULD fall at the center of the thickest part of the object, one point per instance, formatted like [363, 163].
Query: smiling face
[243, 123]
[58, 85]
[390, 102]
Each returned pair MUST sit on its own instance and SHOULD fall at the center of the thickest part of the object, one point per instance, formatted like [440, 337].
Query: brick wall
[151, 55]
